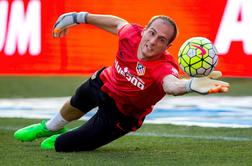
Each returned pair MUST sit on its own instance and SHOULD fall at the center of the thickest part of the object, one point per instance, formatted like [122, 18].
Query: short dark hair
[169, 21]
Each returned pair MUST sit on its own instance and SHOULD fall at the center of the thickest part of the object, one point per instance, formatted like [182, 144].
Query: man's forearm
[174, 86]
[108, 23]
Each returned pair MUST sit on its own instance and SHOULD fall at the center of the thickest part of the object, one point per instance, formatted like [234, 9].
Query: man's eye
[152, 33]
[162, 40]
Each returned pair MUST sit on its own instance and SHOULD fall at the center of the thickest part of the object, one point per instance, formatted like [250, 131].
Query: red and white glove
[207, 85]
[67, 20]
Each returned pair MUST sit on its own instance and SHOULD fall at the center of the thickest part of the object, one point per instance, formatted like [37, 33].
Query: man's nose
[153, 40]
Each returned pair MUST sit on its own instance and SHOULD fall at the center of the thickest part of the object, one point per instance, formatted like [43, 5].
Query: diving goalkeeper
[142, 73]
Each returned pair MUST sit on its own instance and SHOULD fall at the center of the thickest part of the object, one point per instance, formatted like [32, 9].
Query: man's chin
[149, 57]
[147, 54]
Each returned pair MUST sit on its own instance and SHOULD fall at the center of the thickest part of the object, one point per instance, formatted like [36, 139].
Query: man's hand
[67, 20]
[207, 85]
[215, 75]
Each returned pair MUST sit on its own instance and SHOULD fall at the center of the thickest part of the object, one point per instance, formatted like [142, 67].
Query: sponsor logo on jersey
[134, 80]
[140, 69]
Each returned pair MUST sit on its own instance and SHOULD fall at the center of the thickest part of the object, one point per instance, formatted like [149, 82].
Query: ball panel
[195, 60]
[201, 71]
[193, 71]
[206, 65]
[208, 71]
[187, 70]
[197, 65]
[191, 52]
[184, 62]
[185, 48]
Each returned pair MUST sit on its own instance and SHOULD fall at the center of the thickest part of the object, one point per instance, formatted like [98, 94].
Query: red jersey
[134, 84]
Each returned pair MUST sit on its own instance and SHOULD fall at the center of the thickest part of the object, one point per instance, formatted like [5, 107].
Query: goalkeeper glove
[207, 85]
[67, 20]
[215, 75]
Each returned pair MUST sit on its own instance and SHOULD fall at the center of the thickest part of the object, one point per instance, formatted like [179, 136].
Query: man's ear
[143, 31]
[168, 45]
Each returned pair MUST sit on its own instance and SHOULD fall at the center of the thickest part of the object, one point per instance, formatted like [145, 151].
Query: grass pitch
[151, 145]
[56, 86]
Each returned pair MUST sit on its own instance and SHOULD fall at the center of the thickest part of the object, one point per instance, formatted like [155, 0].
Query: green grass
[177, 145]
[35, 86]
[51, 86]
[168, 145]
[239, 86]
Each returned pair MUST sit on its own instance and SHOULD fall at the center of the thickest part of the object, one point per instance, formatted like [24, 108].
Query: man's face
[155, 39]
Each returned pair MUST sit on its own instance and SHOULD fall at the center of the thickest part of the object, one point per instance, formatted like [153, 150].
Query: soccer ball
[197, 57]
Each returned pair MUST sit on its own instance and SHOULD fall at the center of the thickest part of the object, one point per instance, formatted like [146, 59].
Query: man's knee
[70, 113]
[66, 143]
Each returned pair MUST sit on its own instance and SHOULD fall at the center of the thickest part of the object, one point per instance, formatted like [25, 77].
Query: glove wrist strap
[188, 85]
[81, 17]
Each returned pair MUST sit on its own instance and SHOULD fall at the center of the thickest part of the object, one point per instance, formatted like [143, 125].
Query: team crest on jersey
[140, 69]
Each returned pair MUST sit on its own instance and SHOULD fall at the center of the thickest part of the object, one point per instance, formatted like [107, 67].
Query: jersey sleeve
[124, 30]
[129, 30]
[164, 70]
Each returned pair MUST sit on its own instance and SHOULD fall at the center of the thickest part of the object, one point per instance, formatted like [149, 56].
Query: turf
[151, 145]
[51, 86]
[38, 86]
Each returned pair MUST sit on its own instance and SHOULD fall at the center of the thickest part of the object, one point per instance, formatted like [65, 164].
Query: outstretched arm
[108, 23]
[202, 85]
[174, 86]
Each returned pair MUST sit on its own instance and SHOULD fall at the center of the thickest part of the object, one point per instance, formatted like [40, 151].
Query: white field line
[165, 135]
[10, 128]
[204, 137]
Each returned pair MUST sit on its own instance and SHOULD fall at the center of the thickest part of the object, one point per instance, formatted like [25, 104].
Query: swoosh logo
[203, 52]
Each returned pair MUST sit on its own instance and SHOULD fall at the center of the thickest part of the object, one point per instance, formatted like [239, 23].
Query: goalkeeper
[142, 73]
